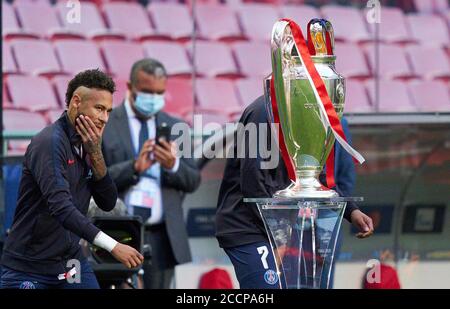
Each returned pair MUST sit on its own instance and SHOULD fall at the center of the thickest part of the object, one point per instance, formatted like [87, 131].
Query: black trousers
[159, 262]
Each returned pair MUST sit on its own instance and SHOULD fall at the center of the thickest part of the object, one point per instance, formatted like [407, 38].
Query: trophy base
[303, 237]
[308, 187]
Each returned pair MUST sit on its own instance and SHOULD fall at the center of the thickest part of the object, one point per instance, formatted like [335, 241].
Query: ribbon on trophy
[283, 149]
[328, 115]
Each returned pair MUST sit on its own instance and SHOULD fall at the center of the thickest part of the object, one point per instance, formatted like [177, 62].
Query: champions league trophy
[303, 220]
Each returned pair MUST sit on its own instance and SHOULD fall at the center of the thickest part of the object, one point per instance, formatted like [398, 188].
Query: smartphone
[163, 131]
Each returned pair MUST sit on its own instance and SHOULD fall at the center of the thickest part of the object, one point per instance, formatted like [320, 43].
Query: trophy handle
[267, 97]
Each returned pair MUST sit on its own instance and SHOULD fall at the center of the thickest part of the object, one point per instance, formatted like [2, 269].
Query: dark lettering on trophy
[310, 105]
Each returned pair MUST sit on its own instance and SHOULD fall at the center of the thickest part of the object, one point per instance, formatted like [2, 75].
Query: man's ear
[129, 92]
[76, 100]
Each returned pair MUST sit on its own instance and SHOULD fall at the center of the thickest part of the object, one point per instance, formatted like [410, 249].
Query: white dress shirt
[157, 213]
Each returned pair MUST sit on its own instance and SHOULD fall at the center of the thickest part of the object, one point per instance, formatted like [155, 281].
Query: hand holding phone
[164, 153]
[163, 131]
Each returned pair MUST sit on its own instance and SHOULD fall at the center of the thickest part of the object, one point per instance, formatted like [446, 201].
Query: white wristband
[104, 241]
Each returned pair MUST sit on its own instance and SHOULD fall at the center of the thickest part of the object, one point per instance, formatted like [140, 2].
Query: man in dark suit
[149, 177]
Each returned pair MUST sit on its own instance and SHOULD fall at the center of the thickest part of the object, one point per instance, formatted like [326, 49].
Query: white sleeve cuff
[104, 241]
[175, 167]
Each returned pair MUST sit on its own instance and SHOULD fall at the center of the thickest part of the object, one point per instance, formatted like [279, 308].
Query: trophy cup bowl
[307, 141]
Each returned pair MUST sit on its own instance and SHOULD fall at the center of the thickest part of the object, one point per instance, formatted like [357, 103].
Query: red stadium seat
[231, 3]
[69, 52]
[32, 93]
[393, 28]
[210, 118]
[44, 2]
[91, 24]
[121, 91]
[6, 101]
[430, 96]
[429, 30]
[172, 55]
[214, 59]
[350, 61]
[431, 6]
[257, 20]
[21, 121]
[253, 58]
[393, 62]
[53, 115]
[393, 96]
[8, 64]
[348, 23]
[9, 21]
[301, 14]
[429, 62]
[60, 84]
[356, 99]
[129, 18]
[18, 120]
[179, 98]
[40, 18]
[171, 20]
[447, 17]
[217, 96]
[120, 56]
[249, 90]
[35, 57]
[218, 22]
[10, 25]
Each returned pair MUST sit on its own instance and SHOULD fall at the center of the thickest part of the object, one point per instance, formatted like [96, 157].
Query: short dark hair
[149, 66]
[90, 79]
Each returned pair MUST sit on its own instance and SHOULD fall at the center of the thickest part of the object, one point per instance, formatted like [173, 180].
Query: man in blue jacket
[63, 167]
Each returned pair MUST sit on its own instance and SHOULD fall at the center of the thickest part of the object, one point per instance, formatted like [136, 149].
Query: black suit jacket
[119, 156]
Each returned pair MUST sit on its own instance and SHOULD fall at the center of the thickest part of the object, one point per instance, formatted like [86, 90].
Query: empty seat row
[168, 20]
[428, 7]
[229, 97]
[213, 59]
[213, 95]
[397, 96]
[218, 100]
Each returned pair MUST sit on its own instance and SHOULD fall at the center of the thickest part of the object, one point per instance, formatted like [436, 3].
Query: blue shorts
[13, 279]
[254, 266]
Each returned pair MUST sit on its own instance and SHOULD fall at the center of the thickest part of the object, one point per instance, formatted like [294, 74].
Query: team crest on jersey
[27, 285]
[271, 277]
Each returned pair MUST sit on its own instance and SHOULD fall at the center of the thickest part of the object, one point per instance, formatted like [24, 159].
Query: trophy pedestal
[303, 234]
[306, 187]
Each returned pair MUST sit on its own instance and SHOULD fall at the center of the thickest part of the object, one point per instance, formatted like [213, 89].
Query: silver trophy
[303, 221]
[307, 140]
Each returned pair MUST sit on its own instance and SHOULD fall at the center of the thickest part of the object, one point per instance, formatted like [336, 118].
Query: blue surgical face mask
[148, 104]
